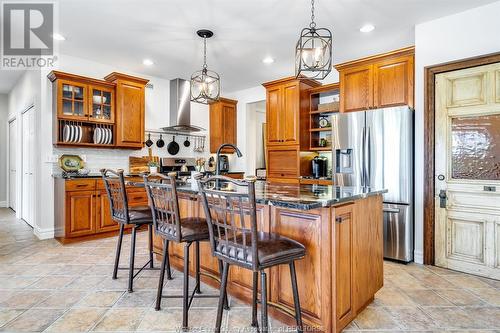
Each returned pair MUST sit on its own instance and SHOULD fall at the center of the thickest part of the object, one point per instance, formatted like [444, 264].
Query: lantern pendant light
[313, 52]
[205, 84]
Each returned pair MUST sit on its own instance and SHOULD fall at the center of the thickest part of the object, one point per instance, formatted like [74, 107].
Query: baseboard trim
[4, 204]
[418, 256]
[44, 233]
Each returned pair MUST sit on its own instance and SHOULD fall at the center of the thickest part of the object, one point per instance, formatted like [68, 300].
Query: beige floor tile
[374, 318]
[171, 320]
[411, 318]
[125, 319]
[86, 282]
[488, 316]
[490, 295]
[392, 297]
[24, 299]
[427, 298]
[52, 282]
[467, 281]
[61, 300]
[17, 282]
[453, 318]
[241, 319]
[77, 320]
[33, 320]
[137, 299]
[7, 315]
[460, 297]
[101, 299]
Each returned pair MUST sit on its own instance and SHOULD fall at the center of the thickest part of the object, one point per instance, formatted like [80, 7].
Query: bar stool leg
[162, 275]
[255, 286]
[132, 258]
[225, 273]
[118, 251]
[298, 314]
[263, 295]
[197, 267]
[221, 270]
[150, 245]
[169, 273]
[185, 295]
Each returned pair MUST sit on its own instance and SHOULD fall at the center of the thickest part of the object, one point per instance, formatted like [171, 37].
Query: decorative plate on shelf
[70, 163]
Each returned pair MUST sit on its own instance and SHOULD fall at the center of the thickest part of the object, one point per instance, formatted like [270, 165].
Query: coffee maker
[223, 163]
[319, 167]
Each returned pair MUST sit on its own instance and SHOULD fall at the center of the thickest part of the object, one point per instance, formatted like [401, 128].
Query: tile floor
[45, 286]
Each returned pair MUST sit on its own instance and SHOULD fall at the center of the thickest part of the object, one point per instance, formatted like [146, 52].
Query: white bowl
[97, 99]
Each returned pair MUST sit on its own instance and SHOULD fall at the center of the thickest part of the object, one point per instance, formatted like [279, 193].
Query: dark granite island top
[295, 196]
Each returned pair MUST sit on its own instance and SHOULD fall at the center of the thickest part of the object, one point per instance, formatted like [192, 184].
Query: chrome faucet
[238, 152]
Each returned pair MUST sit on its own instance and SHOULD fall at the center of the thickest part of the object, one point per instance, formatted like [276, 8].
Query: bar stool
[230, 210]
[121, 213]
[169, 225]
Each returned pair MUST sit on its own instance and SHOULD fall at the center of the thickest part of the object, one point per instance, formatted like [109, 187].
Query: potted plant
[153, 167]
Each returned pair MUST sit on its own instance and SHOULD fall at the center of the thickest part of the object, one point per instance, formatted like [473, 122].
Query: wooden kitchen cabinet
[84, 105]
[287, 112]
[223, 115]
[81, 213]
[343, 263]
[378, 81]
[82, 210]
[130, 109]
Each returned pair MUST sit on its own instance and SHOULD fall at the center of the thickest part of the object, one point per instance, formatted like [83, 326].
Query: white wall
[463, 35]
[3, 149]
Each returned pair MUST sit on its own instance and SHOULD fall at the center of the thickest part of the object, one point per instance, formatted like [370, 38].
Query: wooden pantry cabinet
[378, 81]
[82, 209]
[287, 128]
[223, 115]
[83, 106]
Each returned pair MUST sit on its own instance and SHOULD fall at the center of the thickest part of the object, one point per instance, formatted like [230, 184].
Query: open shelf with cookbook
[324, 100]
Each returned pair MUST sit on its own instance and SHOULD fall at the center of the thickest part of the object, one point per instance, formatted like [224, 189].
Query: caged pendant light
[313, 52]
[205, 84]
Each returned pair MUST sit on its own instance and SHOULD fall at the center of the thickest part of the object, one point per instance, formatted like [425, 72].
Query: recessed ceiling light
[58, 37]
[268, 60]
[147, 62]
[367, 28]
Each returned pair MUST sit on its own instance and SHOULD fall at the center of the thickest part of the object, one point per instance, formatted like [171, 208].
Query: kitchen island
[341, 228]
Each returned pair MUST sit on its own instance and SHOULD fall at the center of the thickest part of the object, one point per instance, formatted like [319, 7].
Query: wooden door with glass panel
[101, 104]
[72, 101]
[467, 149]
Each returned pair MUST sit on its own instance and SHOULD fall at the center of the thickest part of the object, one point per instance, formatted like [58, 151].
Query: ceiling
[124, 32]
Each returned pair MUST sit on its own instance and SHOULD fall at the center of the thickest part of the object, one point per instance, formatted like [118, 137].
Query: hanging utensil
[149, 143]
[186, 142]
[160, 143]
[173, 147]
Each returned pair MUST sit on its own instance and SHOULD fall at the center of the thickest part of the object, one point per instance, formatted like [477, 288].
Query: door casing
[429, 142]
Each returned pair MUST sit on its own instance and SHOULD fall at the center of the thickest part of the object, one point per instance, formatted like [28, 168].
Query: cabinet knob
[339, 219]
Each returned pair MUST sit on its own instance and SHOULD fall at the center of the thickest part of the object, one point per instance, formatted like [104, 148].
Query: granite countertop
[294, 196]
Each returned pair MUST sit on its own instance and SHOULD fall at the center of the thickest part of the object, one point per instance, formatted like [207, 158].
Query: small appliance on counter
[319, 167]
[223, 163]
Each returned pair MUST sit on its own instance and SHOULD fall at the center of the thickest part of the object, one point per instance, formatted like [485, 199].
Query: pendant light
[205, 84]
[313, 52]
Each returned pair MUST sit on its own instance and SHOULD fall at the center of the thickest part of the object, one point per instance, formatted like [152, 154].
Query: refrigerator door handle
[367, 156]
[362, 168]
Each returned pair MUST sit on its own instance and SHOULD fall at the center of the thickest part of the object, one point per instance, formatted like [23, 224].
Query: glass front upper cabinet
[72, 100]
[102, 104]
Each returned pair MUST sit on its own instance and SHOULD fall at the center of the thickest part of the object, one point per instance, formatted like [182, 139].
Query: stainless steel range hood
[180, 108]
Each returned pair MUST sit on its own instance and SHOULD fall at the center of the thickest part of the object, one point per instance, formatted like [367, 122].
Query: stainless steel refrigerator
[375, 149]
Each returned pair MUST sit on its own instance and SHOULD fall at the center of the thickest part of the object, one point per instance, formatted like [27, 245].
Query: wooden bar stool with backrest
[230, 210]
[168, 224]
[121, 213]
